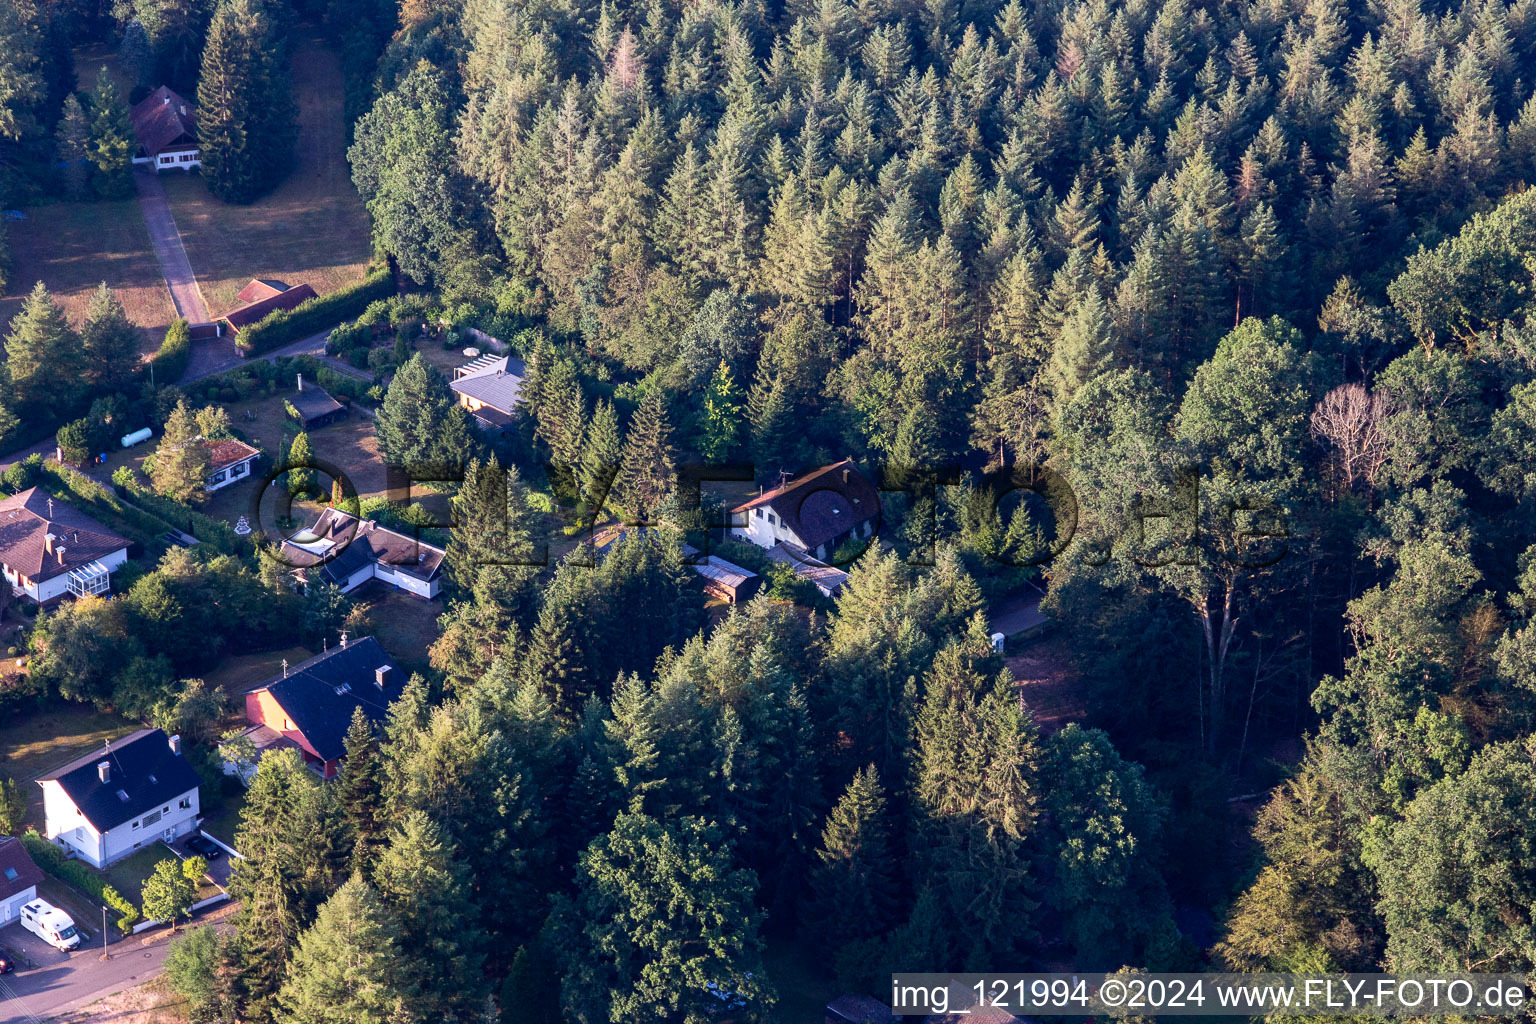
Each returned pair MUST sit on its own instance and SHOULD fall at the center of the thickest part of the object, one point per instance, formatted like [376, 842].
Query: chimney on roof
[845, 475]
[104, 771]
[165, 100]
[61, 556]
[183, 110]
[381, 676]
[48, 540]
[175, 742]
[301, 382]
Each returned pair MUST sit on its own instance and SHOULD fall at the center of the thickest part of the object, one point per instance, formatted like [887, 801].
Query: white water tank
[142, 434]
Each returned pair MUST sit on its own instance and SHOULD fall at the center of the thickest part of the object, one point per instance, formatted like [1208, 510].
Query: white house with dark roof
[490, 388]
[128, 795]
[815, 513]
[349, 552]
[49, 549]
[166, 125]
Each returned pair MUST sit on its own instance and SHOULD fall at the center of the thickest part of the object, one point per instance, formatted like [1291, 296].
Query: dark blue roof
[144, 775]
[319, 695]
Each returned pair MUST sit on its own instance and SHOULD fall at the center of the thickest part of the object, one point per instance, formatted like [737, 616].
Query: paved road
[83, 977]
[1017, 613]
[168, 248]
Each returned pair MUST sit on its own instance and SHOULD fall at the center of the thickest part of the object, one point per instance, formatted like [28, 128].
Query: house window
[758, 512]
[771, 520]
[186, 803]
[217, 478]
[167, 159]
[135, 826]
[235, 471]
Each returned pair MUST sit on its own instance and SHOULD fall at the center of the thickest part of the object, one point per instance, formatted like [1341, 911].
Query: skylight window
[122, 795]
[10, 874]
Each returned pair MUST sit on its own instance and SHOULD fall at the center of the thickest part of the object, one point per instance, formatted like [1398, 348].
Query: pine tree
[649, 474]
[361, 787]
[348, 964]
[111, 141]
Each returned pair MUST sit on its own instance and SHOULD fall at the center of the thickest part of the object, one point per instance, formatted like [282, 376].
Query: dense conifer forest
[1251, 282]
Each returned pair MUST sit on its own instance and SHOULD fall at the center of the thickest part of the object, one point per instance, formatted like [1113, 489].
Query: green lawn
[311, 230]
[405, 625]
[35, 743]
[127, 875]
[237, 674]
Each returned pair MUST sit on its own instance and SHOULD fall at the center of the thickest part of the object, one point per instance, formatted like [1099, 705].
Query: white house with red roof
[229, 461]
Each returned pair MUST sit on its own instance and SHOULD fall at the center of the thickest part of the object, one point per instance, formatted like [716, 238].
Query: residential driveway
[1016, 613]
[168, 248]
[218, 867]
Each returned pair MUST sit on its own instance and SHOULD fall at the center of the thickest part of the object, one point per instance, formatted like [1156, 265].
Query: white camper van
[50, 924]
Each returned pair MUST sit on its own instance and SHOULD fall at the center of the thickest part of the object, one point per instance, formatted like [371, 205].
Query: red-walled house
[310, 705]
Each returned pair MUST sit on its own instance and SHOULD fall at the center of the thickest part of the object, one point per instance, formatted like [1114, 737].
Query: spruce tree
[601, 457]
[720, 418]
[245, 110]
[421, 426]
[361, 787]
[110, 342]
[73, 137]
[182, 459]
[348, 964]
[41, 352]
[648, 474]
[853, 888]
[420, 879]
[301, 481]
[112, 141]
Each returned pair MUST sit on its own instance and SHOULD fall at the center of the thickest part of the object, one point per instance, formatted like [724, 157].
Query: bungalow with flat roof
[49, 549]
[312, 407]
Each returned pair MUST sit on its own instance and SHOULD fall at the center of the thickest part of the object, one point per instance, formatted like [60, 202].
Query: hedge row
[213, 532]
[175, 352]
[54, 861]
[92, 498]
[320, 313]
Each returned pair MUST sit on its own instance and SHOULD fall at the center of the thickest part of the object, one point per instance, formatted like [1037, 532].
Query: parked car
[204, 847]
[50, 924]
[8, 961]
